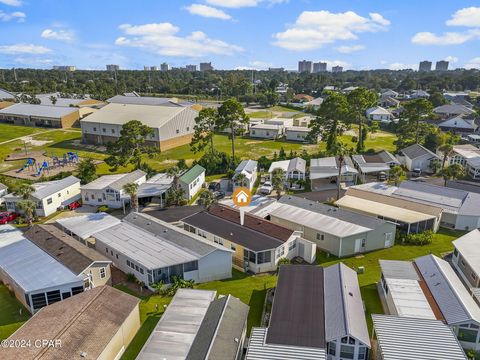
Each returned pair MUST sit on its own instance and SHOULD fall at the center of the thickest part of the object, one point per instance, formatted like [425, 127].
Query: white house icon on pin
[241, 197]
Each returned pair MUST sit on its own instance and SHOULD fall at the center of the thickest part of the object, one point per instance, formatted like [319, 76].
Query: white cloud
[451, 59]
[448, 38]
[473, 63]
[24, 49]
[207, 11]
[314, 29]
[465, 17]
[163, 39]
[11, 2]
[61, 35]
[402, 66]
[17, 15]
[33, 61]
[347, 49]
[243, 3]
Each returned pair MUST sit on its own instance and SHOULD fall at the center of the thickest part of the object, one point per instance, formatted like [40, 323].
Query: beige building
[172, 126]
[40, 115]
[97, 324]
[68, 251]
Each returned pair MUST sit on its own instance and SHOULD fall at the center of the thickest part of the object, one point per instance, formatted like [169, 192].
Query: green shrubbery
[421, 239]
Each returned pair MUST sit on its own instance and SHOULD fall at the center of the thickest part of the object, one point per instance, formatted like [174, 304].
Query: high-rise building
[319, 67]
[337, 69]
[113, 67]
[441, 65]
[64, 67]
[164, 67]
[425, 66]
[206, 66]
[305, 66]
[191, 68]
[154, 68]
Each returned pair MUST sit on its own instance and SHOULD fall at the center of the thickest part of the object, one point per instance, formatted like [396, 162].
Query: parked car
[214, 186]
[382, 176]
[416, 172]
[7, 216]
[74, 205]
[219, 194]
[266, 188]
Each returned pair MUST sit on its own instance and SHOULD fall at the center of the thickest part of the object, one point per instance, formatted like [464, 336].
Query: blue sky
[359, 34]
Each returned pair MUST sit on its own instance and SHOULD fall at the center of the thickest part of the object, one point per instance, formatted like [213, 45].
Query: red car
[8, 216]
[74, 205]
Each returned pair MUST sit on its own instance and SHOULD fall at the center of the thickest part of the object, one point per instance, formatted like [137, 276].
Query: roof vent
[231, 234]
[236, 340]
[165, 230]
[83, 354]
[349, 293]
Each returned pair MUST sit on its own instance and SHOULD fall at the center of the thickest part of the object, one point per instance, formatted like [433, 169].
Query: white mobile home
[266, 131]
[249, 169]
[417, 156]
[293, 170]
[325, 171]
[49, 196]
[297, 133]
[192, 181]
[466, 257]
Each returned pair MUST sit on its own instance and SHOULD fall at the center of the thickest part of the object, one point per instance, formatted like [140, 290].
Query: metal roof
[298, 313]
[258, 349]
[149, 250]
[409, 299]
[4, 94]
[416, 150]
[459, 123]
[48, 188]
[192, 174]
[266, 127]
[176, 330]
[326, 218]
[327, 167]
[120, 114]
[397, 269]
[455, 109]
[378, 110]
[116, 181]
[468, 246]
[402, 338]
[246, 166]
[155, 186]
[452, 297]
[38, 110]
[85, 225]
[29, 266]
[144, 100]
[375, 163]
[344, 312]
[298, 129]
[295, 164]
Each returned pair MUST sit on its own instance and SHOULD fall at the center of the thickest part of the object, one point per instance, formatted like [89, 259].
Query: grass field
[10, 318]
[8, 132]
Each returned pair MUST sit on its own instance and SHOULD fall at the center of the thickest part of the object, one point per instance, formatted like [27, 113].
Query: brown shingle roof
[64, 248]
[83, 323]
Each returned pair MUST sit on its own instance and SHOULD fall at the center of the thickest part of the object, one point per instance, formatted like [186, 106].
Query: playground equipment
[42, 168]
[68, 158]
[30, 163]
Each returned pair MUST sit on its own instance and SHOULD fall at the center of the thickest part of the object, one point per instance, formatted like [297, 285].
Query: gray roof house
[144, 100]
[450, 110]
[337, 231]
[293, 169]
[400, 338]
[313, 309]
[373, 164]
[325, 170]
[466, 257]
[156, 251]
[417, 156]
[249, 169]
[40, 115]
[108, 189]
[35, 277]
[198, 326]
[83, 226]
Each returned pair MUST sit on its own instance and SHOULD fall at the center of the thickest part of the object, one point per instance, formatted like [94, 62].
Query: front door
[358, 245]
[301, 250]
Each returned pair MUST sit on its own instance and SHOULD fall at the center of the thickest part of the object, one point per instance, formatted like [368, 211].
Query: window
[128, 263]
[280, 251]
[104, 130]
[320, 236]
[233, 247]
[332, 348]
[177, 131]
[53, 296]
[39, 301]
[218, 240]
[249, 256]
[190, 266]
[455, 252]
[113, 131]
[188, 128]
[292, 245]
[94, 128]
[136, 268]
[102, 273]
[49, 201]
[253, 132]
[141, 271]
[268, 133]
[77, 290]
[59, 194]
[467, 335]
[66, 295]
[347, 352]
[106, 250]
[264, 257]
[116, 256]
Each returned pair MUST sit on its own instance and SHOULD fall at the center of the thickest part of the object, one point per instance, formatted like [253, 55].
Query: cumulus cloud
[347, 49]
[163, 39]
[11, 2]
[466, 17]
[314, 29]
[17, 15]
[451, 59]
[473, 63]
[61, 35]
[243, 3]
[448, 38]
[24, 49]
[207, 11]
[402, 66]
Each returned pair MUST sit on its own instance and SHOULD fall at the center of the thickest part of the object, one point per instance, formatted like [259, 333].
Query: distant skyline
[238, 34]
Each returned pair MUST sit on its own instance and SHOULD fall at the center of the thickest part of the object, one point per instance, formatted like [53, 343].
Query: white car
[266, 188]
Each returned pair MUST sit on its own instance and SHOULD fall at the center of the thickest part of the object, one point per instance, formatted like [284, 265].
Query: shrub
[131, 278]
[102, 208]
[421, 239]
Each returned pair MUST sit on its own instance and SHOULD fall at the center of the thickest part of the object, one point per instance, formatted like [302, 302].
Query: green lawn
[8, 132]
[10, 318]
[262, 114]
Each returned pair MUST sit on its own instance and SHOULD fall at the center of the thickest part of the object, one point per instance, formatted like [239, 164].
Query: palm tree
[28, 208]
[341, 151]
[452, 172]
[207, 199]
[241, 179]
[278, 181]
[174, 172]
[396, 173]
[132, 190]
[446, 149]
[25, 190]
